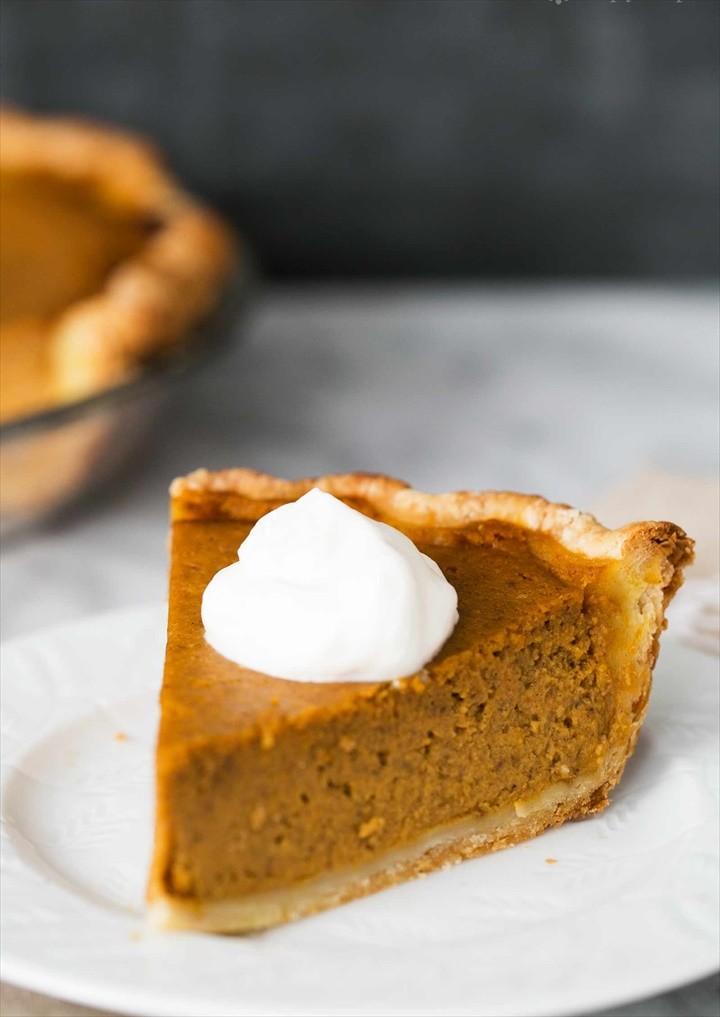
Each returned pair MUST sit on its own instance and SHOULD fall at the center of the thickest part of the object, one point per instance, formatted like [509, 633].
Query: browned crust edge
[150, 300]
[246, 494]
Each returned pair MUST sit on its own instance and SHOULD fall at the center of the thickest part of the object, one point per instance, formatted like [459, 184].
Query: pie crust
[153, 297]
[641, 568]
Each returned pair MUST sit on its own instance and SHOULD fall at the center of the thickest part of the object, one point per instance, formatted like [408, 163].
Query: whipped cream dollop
[322, 593]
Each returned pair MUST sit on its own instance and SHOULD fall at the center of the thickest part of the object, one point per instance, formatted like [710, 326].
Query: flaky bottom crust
[442, 847]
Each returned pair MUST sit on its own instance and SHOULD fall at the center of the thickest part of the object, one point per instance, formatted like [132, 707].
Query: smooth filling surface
[264, 783]
[58, 243]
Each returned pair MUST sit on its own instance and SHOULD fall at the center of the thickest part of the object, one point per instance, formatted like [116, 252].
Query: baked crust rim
[230, 493]
[154, 297]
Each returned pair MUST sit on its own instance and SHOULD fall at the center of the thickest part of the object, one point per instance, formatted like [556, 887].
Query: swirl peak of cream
[322, 593]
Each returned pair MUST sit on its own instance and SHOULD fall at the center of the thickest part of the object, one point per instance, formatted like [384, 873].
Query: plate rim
[133, 1004]
[140, 1000]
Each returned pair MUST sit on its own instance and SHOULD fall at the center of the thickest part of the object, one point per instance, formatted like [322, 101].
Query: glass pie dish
[114, 283]
[51, 458]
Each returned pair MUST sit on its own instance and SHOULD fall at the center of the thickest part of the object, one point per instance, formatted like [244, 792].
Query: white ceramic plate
[629, 909]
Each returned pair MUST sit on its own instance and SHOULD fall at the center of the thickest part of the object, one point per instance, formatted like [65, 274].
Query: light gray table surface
[566, 391]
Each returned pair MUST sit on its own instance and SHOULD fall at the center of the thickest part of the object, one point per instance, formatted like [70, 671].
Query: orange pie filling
[59, 243]
[276, 798]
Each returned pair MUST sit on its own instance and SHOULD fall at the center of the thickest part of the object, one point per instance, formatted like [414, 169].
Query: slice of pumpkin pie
[347, 705]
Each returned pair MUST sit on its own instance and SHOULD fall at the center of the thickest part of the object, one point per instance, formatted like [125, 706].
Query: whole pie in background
[105, 260]
[105, 264]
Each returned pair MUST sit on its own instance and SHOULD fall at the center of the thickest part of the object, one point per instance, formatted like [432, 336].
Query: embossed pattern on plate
[628, 909]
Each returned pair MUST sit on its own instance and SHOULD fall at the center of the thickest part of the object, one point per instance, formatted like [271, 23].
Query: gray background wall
[375, 137]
